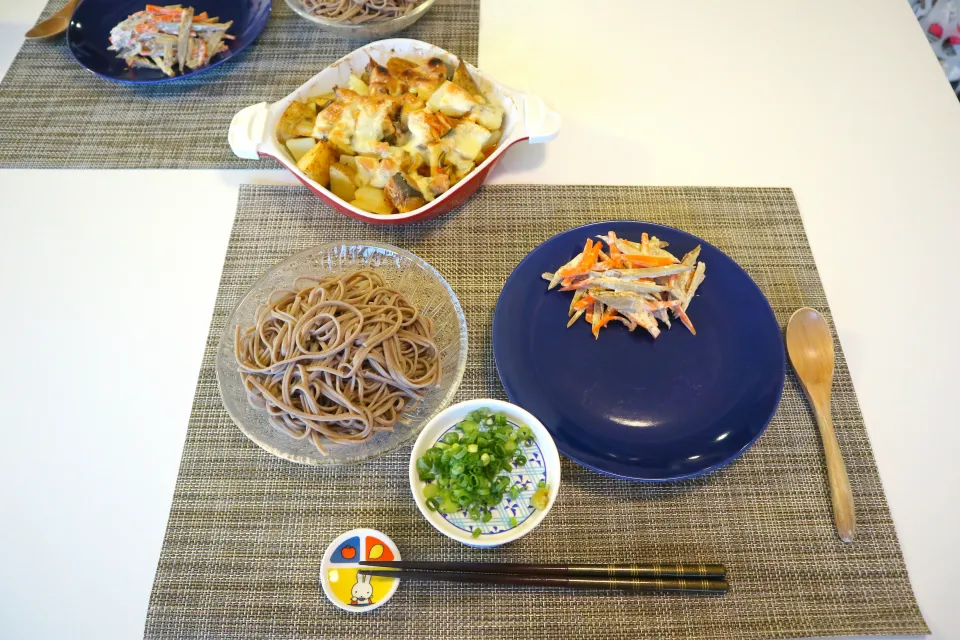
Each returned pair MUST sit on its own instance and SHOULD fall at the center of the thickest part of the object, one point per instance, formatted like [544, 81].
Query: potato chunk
[356, 84]
[316, 163]
[342, 181]
[372, 200]
[298, 147]
[297, 120]
[462, 78]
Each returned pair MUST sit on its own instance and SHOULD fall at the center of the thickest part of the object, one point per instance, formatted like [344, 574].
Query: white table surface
[107, 286]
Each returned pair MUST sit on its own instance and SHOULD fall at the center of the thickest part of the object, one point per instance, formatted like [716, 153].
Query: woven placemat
[56, 115]
[247, 530]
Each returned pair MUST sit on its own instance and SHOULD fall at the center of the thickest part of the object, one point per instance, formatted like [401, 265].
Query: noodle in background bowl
[365, 30]
[423, 286]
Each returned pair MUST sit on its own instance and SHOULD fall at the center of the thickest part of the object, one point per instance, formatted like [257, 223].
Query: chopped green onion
[476, 532]
[513, 521]
[469, 467]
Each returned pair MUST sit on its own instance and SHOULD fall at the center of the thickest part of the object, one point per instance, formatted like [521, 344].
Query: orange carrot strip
[685, 319]
[587, 262]
[584, 302]
[656, 305]
[590, 255]
[565, 270]
[152, 8]
[580, 284]
[615, 253]
[607, 316]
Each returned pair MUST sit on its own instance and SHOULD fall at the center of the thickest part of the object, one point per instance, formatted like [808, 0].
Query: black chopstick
[566, 570]
[688, 585]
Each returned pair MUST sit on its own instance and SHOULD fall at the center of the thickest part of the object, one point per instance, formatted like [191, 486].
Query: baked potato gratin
[395, 137]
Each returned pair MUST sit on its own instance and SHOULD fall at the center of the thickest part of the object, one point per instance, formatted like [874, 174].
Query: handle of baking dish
[541, 122]
[247, 129]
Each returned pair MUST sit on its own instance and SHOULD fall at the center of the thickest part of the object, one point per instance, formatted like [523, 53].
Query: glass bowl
[365, 30]
[423, 286]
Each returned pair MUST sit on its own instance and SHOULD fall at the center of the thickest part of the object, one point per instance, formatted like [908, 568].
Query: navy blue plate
[88, 35]
[630, 406]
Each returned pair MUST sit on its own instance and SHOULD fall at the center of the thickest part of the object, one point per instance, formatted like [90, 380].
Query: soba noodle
[338, 359]
[359, 11]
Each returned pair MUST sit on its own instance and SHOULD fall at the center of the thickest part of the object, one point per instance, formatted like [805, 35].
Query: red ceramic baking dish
[526, 118]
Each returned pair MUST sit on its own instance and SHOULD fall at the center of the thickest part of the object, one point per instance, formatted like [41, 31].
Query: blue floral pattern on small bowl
[524, 476]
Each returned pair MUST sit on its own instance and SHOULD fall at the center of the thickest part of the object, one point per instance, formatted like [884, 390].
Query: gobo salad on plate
[635, 283]
[165, 37]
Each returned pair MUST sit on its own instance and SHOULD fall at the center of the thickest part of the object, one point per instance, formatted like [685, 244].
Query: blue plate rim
[219, 61]
[688, 476]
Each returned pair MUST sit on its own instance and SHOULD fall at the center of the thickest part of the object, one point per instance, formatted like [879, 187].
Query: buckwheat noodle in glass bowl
[359, 11]
[342, 353]
[362, 19]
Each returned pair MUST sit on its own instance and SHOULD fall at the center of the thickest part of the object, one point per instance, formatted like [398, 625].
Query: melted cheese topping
[372, 123]
[451, 100]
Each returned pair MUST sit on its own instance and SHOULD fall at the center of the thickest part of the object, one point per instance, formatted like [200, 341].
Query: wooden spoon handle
[840, 493]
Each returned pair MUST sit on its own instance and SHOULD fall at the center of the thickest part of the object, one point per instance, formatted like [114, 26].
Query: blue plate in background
[88, 35]
[630, 406]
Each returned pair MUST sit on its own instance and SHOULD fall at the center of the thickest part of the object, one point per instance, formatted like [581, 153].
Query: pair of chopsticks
[689, 578]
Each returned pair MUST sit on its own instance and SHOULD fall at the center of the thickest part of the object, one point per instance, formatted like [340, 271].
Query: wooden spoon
[811, 352]
[54, 25]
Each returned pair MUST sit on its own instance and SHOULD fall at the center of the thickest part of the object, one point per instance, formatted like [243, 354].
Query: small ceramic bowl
[543, 464]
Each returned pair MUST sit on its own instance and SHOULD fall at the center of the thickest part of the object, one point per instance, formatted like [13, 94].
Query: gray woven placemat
[56, 115]
[247, 530]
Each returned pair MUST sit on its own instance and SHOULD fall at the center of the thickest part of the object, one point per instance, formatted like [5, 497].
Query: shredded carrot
[685, 319]
[584, 302]
[615, 254]
[590, 254]
[607, 316]
[655, 305]
[164, 11]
